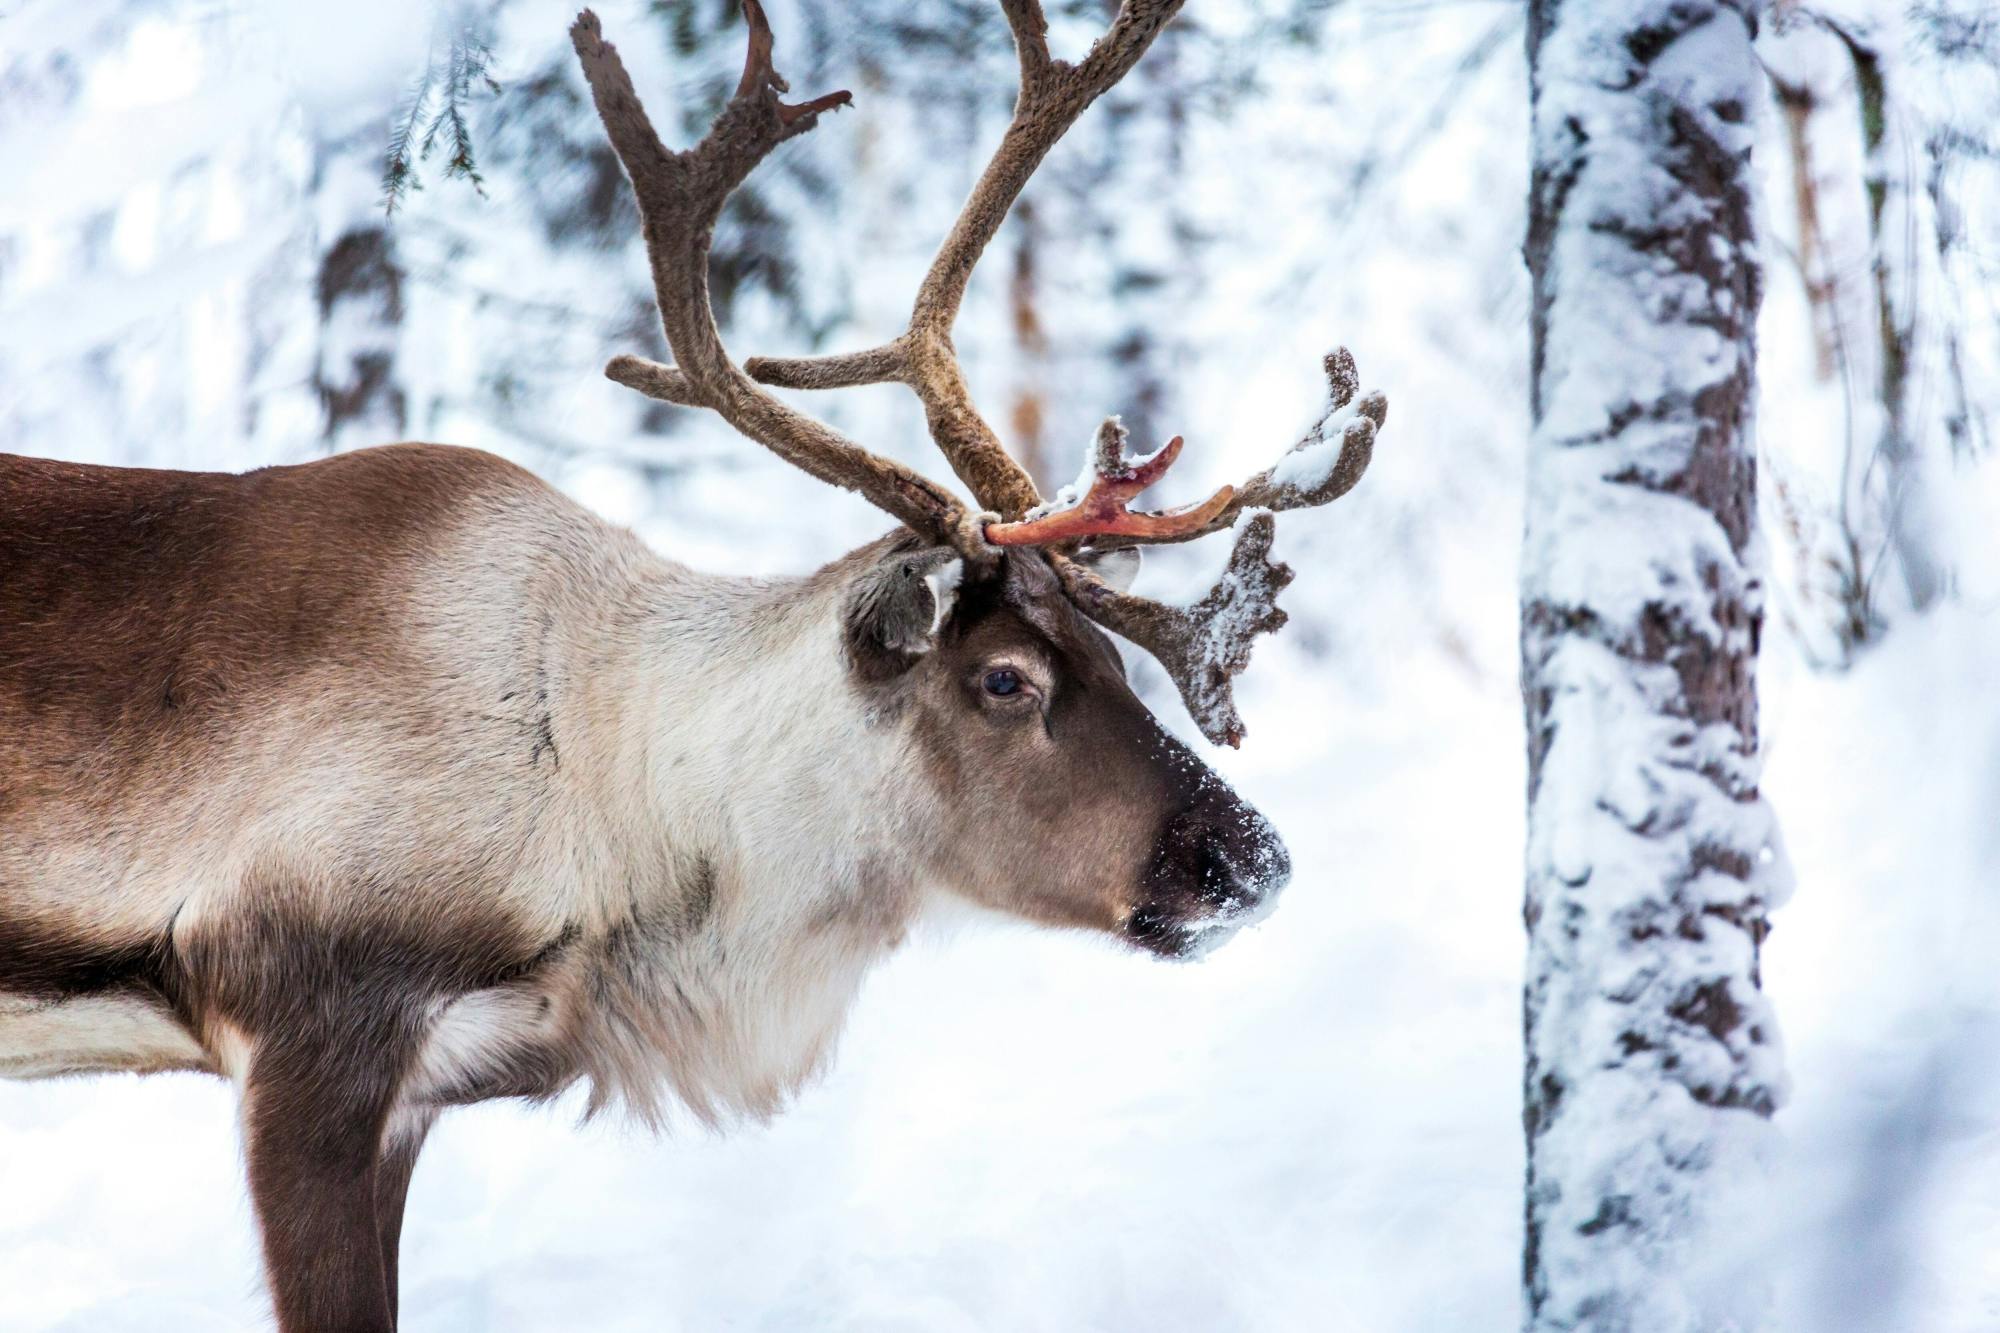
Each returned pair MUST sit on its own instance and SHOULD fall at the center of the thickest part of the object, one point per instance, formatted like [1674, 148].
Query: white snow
[1309, 464]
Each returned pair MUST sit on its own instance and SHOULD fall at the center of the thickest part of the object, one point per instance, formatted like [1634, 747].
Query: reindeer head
[1059, 797]
[981, 626]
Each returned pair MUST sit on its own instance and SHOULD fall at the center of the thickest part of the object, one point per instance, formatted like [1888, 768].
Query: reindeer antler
[681, 195]
[1320, 468]
[1053, 94]
[1323, 466]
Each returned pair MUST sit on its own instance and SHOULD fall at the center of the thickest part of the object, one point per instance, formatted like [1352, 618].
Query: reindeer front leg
[392, 1189]
[316, 1106]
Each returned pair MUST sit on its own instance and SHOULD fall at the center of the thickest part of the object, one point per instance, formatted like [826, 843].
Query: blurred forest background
[236, 234]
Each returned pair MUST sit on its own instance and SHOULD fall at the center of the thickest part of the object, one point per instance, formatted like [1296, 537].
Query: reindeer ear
[895, 610]
[1117, 567]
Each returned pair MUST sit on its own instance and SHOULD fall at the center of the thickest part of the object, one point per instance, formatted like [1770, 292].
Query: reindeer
[395, 781]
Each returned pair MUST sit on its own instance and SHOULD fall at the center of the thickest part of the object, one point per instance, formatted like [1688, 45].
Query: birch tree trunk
[1652, 1064]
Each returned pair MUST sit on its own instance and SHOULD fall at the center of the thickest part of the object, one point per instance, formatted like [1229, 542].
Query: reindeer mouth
[1207, 884]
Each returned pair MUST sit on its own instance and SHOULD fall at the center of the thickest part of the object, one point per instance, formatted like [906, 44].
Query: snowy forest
[1635, 734]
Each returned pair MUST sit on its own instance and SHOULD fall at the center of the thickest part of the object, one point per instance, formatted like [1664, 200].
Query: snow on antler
[1205, 645]
[1323, 466]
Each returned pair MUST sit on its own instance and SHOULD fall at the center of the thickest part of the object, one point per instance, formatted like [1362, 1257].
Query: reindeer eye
[1002, 683]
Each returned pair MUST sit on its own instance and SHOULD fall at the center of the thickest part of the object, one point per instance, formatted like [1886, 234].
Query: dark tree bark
[1651, 1059]
[359, 288]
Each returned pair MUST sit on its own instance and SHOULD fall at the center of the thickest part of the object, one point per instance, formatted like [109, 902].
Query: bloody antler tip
[1150, 471]
[1102, 511]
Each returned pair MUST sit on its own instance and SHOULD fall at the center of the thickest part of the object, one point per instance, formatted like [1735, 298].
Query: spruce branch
[457, 65]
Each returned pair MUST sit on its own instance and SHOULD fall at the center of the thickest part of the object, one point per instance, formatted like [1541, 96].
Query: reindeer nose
[1218, 865]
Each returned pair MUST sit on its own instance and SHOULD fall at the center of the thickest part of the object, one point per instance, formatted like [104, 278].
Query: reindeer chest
[729, 1011]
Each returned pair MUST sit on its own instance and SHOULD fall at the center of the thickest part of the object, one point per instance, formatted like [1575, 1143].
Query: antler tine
[1202, 646]
[680, 196]
[1205, 645]
[1323, 466]
[1053, 94]
[1327, 462]
[1317, 470]
[1110, 482]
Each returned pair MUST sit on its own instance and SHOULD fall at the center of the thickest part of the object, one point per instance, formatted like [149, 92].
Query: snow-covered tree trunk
[1652, 1064]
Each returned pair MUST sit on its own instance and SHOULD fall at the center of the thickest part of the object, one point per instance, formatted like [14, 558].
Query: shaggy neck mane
[755, 828]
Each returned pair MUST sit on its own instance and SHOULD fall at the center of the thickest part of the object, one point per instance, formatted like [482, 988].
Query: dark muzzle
[1218, 866]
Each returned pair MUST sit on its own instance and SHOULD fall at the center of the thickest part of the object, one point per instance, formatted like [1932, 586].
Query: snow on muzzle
[1218, 867]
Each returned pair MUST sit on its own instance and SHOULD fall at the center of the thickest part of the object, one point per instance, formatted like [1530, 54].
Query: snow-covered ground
[1316, 1128]
[1883, 970]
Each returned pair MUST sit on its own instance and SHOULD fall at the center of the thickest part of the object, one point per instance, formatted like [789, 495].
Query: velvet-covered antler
[1205, 645]
[681, 194]
[1053, 94]
[1319, 469]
